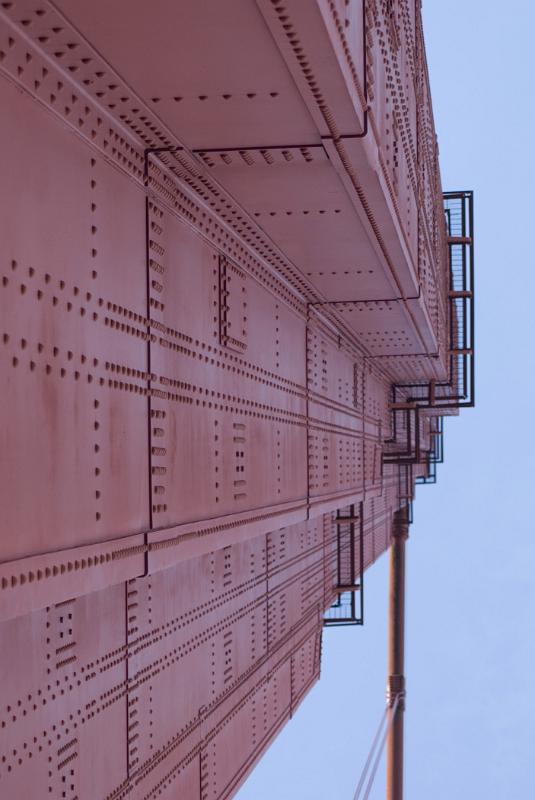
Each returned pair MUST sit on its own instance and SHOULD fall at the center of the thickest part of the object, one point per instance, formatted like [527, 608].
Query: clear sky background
[470, 664]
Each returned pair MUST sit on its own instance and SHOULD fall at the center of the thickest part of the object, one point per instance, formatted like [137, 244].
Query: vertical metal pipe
[396, 656]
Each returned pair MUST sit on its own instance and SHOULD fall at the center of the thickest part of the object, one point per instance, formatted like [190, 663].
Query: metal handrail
[458, 391]
[349, 587]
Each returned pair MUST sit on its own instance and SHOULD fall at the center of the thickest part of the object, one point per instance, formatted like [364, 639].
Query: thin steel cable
[370, 756]
[389, 714]
[381, 748]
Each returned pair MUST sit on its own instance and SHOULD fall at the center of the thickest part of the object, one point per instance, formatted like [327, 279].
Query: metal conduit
[396, 655]
[390, 729]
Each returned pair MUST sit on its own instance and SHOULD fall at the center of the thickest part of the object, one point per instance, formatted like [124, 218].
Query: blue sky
[470, 729]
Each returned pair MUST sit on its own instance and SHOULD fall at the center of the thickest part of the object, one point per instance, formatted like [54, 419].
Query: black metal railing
[411, 400]
[458, 390]
[348, 608]
[436, 454]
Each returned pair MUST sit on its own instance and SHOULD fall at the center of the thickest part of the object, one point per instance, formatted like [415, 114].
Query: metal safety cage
[458, 391]
[348, 608]
[405, 418]
[436, 454]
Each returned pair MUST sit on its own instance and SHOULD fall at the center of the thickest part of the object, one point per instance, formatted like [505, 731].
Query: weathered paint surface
[222, 243]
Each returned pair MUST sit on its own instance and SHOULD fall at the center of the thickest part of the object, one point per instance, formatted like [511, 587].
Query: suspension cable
[376, 749]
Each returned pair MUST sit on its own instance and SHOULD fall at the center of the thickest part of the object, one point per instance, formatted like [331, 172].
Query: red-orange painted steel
[222, 243]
